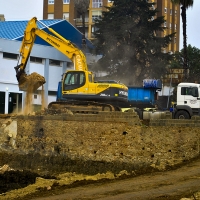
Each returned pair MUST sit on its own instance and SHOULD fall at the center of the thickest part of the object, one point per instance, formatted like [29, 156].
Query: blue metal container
[152, 83]
[141, 95]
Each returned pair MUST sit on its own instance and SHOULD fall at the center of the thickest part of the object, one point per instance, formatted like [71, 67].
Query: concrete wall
[104, 142]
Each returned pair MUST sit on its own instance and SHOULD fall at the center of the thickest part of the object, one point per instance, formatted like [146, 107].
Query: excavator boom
[34, 81]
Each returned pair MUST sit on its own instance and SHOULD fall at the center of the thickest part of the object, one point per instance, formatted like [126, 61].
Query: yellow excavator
[79, 91]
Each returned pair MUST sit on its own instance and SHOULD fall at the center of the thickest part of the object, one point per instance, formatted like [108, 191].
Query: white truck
[186, 106]
[188, 101]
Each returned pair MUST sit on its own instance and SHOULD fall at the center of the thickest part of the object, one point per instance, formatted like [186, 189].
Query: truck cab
[188, 101]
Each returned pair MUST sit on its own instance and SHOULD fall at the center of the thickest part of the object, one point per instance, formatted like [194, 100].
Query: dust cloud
[29, 108]
[43, 100]
[30, 83]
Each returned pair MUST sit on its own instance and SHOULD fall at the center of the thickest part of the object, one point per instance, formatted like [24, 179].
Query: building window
[66, 1]
[97, 3]
[96, 15]
[35, 59]
[170, 25]
[54, 62]
[165, 10]
[50, 1]
[175, 12]
[10, 55]
[165, 24]
[170, 11]
[175, 26]
[50, 16]
[174, 39]
[66, 16]
[94, 28]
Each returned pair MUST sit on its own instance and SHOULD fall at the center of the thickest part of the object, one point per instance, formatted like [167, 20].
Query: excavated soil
[11, 180]
[31, 82]
[174, 184]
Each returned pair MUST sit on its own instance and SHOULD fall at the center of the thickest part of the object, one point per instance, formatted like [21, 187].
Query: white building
[44, 60]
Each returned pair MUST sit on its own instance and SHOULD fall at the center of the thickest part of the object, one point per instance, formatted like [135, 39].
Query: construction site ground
[175, 184]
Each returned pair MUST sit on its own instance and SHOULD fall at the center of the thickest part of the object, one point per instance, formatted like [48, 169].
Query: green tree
[127, 37]
[82, 7]
[185, 4]
[193, 62]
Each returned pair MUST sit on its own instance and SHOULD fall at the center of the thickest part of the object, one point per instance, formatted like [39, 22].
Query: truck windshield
[192, 91]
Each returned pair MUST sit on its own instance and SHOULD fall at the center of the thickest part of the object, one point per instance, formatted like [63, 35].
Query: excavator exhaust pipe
[29, 82]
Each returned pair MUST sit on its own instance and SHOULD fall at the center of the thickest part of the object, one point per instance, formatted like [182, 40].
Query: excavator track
[82, 106]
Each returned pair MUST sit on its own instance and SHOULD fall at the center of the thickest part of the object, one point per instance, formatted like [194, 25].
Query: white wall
[55, 75]
[7, 72]
[166, 91]
[8, 81]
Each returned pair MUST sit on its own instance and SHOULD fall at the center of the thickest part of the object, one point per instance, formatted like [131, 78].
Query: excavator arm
[57, 41]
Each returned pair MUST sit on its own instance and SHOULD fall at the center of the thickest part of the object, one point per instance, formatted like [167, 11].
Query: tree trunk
[185, 62]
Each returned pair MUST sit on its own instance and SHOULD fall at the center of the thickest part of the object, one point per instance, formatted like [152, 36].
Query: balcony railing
[79, 20]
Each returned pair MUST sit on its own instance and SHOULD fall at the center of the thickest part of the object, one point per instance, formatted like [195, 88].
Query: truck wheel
[181, 114]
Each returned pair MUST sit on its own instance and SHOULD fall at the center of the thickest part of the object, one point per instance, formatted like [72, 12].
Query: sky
[193, 26]
[15, 10]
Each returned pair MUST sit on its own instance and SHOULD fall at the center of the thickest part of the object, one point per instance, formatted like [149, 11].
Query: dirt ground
[173, 184]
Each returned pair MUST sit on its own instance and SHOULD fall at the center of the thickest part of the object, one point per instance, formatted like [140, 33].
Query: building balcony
[78, 22]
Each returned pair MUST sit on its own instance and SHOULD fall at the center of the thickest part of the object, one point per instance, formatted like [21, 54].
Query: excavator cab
[74, 80]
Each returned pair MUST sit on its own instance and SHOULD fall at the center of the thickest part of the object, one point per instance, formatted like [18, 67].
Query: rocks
[8, 132]
[4, 169]
[11, 132]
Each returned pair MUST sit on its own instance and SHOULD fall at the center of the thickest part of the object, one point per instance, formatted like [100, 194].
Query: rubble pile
[8, 131]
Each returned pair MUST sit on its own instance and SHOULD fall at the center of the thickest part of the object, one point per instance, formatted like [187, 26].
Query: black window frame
[7, 55]
[35, 59]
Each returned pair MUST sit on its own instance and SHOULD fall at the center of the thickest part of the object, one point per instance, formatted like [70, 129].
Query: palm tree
[185, 4]
[82, 7]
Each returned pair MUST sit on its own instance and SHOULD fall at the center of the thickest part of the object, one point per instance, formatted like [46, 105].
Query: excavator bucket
[30, 82]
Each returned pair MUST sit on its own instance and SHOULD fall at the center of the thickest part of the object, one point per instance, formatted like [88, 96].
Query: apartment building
[64, 9]
[172, 21]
